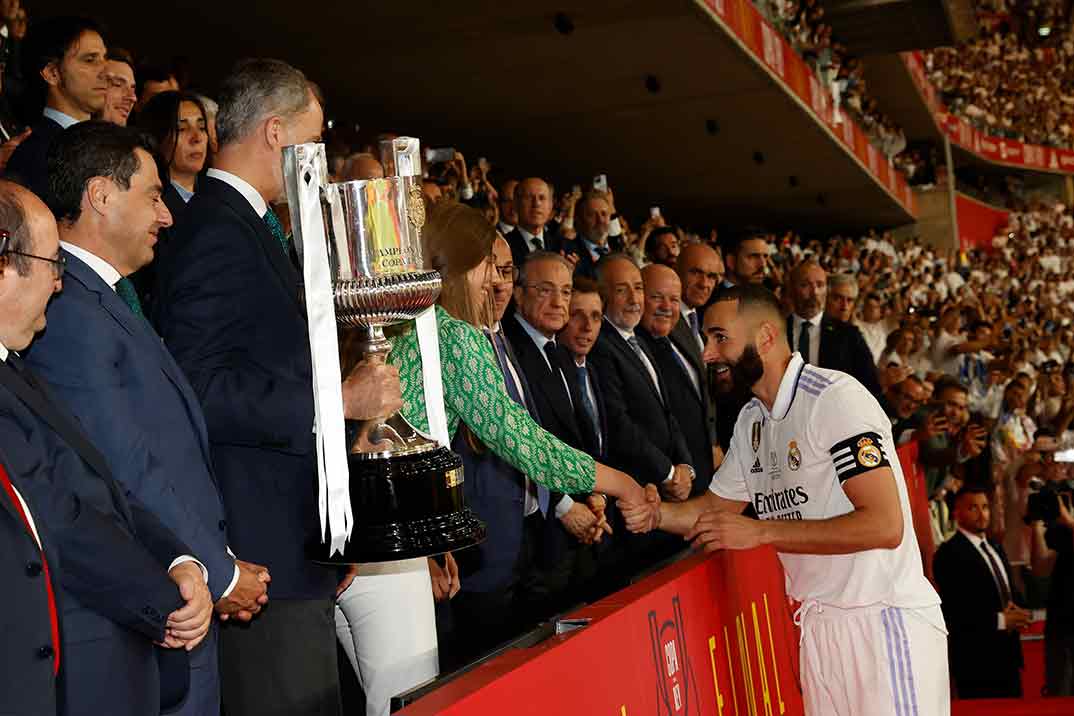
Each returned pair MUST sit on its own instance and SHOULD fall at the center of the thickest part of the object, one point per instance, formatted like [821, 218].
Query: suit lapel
[620, 344]
[281, 264]
[38, 401]
[139, 329]
[824, 335]
[548, 382]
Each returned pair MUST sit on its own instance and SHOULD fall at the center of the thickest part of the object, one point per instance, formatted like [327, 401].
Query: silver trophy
[405, 493]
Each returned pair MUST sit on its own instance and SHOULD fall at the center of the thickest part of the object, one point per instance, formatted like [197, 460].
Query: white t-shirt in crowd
[791, 464]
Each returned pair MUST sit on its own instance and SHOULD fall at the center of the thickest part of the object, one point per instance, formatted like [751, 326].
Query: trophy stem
[374, 344]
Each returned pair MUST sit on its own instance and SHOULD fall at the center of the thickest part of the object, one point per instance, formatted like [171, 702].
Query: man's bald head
[362, 165]
[701, 270]
[809, 289]
[662, 295]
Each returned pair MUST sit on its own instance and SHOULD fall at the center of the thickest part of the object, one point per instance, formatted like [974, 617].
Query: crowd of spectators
[1016, 78]
[802, 24]
[971, 353]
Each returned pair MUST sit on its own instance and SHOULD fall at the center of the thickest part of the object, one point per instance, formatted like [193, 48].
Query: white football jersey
[824, 429]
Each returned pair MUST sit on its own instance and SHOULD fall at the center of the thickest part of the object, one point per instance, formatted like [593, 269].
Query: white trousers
[879, 661]
[386, 623]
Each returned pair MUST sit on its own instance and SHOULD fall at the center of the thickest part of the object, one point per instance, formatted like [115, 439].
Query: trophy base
[405, 506]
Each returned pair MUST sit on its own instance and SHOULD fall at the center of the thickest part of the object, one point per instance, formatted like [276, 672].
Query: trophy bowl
[406, 493]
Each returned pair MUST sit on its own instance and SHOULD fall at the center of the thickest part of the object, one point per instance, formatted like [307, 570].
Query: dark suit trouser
[975, 683]
[1058, 664]
[283, 663]
[483, 620]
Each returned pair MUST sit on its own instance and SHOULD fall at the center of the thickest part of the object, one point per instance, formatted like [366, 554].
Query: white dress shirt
[63, 119]
[253, 196]
[814, 337]
[184, 193]
[531, 239]
[541, 340]
[979, 542]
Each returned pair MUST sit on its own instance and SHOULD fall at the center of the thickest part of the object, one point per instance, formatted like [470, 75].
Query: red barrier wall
[978, 222]
[709, 636]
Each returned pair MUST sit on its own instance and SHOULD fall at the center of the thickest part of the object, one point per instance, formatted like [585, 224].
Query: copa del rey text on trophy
[359, 243]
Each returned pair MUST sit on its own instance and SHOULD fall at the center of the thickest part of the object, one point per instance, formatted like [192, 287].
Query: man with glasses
[125, 580]
[542, 299]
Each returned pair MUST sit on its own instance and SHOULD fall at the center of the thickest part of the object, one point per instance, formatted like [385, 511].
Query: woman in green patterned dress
[457, 242]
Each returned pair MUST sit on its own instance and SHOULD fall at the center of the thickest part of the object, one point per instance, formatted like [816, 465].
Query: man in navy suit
[123, 576]
[65, 58]
[534, 205]
[647, 440]
[683, 379]
[593, 217]
[104, 361]
[229, 307]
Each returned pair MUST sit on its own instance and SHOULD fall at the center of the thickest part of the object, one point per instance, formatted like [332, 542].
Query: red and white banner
[766, 44]
[978, 222]
[994, 149]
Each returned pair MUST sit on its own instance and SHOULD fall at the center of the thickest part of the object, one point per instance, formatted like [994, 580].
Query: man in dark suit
[542, 296]
[701, 272]
[683, 378]
[65, 57]
[822, 340]
[123, 576]
[533, 204]
[30, 621]
[647, 440]
[979, 605]
[229, 309]
[593, 218]
[104, 361]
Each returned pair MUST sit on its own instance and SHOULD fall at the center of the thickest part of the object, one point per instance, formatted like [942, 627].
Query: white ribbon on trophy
[333, 476]
[429, 347]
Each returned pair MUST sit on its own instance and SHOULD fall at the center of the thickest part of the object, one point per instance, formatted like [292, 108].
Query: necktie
[515, 393]
[54, 622]
[538, 243]
[587, 404]
[997, 574]
[125, 290]
[274, 225]
[691, 317]
[803, 340]
[636, 347]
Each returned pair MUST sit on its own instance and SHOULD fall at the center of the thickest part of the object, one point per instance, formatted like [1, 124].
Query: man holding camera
[947, 437]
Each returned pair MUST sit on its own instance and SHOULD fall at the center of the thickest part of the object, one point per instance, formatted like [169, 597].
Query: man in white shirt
[874, 329]
[813, 454]
[69, 56]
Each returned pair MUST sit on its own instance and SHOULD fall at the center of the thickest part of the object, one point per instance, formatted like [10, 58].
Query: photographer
[1050, 513]
[947, 438]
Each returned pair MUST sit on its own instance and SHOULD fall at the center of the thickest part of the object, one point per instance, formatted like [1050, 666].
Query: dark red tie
[54, 622]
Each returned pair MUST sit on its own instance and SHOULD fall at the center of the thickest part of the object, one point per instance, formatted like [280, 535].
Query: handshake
[642, 514]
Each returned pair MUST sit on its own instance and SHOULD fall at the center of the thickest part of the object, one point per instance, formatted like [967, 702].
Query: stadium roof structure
[661, 95]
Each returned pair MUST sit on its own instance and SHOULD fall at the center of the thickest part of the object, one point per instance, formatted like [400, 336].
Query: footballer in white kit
[813, 454]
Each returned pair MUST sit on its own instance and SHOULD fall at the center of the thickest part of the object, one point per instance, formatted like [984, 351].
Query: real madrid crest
[868, 453]
[794, 456]
[755, 436]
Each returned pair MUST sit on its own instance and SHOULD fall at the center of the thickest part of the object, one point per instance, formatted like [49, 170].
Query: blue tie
[587, 404]
[500, 349]
[692, 318]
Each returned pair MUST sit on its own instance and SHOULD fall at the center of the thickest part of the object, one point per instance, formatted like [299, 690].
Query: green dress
[474, 393]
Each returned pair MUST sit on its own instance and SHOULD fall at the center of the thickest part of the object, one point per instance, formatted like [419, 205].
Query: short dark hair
[49, 41]
[731, 242]
[151, 72]
[949, 383]
[753, 296]
[654, 236]
[86, 150]
[973, 490]
[119, 54]
[13, 221]
[584, 284]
